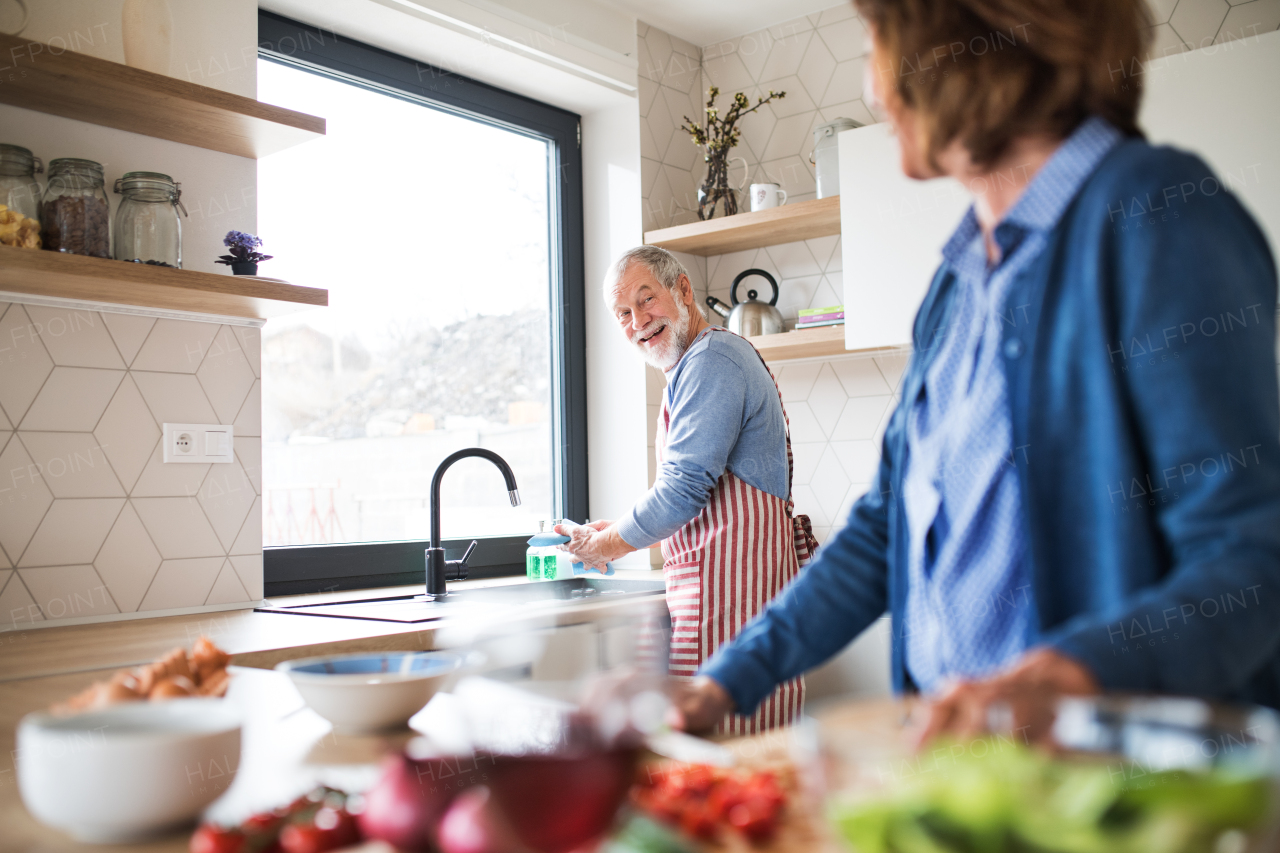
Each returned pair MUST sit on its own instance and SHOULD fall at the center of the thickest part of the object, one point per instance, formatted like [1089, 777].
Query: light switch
[199, 443]
[215, 443]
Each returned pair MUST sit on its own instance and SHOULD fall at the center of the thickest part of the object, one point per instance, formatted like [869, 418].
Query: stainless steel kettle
[752, 317]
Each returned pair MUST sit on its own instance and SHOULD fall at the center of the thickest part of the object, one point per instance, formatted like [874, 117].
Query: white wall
[214, 43]
[555, 61]
[595, 26]
[1221, 102]
[615, 375]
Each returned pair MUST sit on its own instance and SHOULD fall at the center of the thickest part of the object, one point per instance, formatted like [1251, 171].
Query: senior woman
[1040, 524]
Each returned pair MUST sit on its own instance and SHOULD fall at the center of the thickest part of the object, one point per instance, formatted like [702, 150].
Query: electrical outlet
[203, 443]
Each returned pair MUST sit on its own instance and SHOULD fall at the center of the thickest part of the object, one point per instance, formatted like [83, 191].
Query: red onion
[473, 824]
[558, 803]
[405, 806]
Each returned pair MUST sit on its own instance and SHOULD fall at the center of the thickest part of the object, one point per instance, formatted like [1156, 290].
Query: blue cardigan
[1140, 352]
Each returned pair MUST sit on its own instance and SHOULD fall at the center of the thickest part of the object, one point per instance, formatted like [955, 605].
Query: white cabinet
[892, 232]
[1220, 102]
[1223, 103]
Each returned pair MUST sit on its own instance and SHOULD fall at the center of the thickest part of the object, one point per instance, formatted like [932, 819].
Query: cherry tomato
[329, 830]
[700, 799]
[666, 806]
[755, 817]
[266, 823]
[693, 779]
[214, 839]
[697, 820]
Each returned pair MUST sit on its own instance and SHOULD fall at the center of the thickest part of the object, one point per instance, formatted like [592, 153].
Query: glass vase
[717, 196]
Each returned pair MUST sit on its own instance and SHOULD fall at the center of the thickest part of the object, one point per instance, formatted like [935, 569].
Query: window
[444, 218]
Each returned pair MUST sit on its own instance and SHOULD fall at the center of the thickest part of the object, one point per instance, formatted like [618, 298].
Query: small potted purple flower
[243, 260]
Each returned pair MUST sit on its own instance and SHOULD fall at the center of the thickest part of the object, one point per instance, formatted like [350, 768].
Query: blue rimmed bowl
[370, 692]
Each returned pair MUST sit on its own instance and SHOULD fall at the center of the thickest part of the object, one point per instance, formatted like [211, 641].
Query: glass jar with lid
[75, 213]
[147, 228]
[19, 197]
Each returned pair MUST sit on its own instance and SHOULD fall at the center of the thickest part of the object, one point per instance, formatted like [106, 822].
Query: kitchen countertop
[288, 749]
[256, 639]
[287, 746]
[39, 667]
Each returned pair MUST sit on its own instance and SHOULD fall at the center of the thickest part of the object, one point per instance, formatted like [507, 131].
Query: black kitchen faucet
[439, 569]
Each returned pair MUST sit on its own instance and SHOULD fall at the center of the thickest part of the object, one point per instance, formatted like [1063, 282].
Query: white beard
[665, 356]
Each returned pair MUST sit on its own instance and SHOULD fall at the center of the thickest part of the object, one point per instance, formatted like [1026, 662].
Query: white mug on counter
[765, 196]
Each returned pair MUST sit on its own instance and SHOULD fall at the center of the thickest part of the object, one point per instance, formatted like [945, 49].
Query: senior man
[721, 504]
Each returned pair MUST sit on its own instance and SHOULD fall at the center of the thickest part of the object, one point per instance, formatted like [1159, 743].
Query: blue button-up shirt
[969, 605]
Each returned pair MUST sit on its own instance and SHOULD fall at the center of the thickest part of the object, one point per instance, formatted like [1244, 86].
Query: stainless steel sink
[490, 600]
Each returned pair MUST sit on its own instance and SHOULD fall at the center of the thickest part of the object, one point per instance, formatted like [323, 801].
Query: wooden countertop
[255, 639]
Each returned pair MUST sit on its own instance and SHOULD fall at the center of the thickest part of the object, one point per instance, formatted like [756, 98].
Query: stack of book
[813, 317]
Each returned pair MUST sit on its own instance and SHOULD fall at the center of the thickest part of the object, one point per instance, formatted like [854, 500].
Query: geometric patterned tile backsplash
[838, 411]
[808, 275]
[91, 520]
[816, 59]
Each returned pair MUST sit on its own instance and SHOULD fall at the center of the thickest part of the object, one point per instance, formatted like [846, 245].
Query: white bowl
[128, 771]
[370, 692]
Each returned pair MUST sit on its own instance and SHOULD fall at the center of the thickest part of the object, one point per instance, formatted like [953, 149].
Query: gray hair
[664, 266]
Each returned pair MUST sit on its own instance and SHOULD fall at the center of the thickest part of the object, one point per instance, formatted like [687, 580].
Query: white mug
[765, 196]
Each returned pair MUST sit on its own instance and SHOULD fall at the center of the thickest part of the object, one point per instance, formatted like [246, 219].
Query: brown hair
[988, 71]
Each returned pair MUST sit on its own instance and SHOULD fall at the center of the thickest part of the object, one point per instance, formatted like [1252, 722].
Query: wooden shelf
[803, 220]
[822, 342]
[98, 91]
[802, 343]
[42, 273]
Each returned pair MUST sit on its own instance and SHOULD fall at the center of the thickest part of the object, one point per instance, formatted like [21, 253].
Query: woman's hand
[1022, 699]
[594, 544]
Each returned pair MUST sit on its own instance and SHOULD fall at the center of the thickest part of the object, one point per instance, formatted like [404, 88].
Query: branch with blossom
[720, 133]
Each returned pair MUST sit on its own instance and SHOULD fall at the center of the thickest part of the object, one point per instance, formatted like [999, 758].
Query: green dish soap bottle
[542, 559]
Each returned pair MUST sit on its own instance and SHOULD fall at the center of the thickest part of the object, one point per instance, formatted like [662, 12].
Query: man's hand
[698, 704]
[694, 706]
[1020, 699]
[594, 544]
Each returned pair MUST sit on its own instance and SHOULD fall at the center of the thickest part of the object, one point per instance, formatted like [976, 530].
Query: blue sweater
[1140, 357]
[725, 416]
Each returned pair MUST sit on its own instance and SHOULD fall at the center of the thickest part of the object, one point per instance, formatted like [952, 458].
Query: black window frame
[295, 570]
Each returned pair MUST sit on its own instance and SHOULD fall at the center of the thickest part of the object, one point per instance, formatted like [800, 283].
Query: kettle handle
[733, 292]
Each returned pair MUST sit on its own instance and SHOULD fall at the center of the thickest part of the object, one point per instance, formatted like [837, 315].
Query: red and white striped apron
[724, 566]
